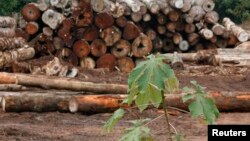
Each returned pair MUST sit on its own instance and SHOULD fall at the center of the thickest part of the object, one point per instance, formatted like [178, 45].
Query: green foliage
[111, 123]
[202, 106]
[138, 132]
[9, 6]
[149, 80]
[237, 10]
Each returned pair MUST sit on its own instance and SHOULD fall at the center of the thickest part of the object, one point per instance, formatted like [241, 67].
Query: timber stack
[114, 34]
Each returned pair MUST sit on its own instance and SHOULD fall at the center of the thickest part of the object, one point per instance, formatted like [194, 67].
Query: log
[12, 87]
[142, 46]
[232, 40]
[35, 102]
[193, 38]
[240, 33]
[174, 15]
[152, 5]
[225, 102]
[177, 38]
[212, 17]
[125, 64]
[81, 48]
[136, 17]
[158, 44]
[48, 31]
[104, 20]
[121, 49]
[121, 21]
[106, 61]
[21, 33]
[218, 29]
[7, 32]
[207, 33]
[184, 45]
[87, 63]
[20, 67]
[187, 5]
[111, 35]
[52, 18]
[189, 28]
[90, 33]
[147, 17]
[177, 62]
[151, 34]
[83, 14]
[42, 5]
[161, 29]
[168, 45]
[197, 13]
[66, 55]
[134, 5]
[171, 26]
[12, 43]
[98, 48]
[131, 31]
[61, 83]
[30, 12]
[58, 43]
[222, 43]
[31, 28]
[20, 55]
[179, 4]
[245, 45]
[208, 5]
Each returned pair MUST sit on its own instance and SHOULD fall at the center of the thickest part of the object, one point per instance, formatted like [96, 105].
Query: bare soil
[78, 127]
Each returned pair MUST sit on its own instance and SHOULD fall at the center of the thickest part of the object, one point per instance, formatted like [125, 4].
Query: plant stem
[164, 105]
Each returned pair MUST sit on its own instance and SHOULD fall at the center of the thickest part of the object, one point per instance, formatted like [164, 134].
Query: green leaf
[172, 84]
[137, 133]
[111, 123]
[155, 95]
[187, 97]
[150, 79]
[142, 101]
[133, 92]
[202, 106]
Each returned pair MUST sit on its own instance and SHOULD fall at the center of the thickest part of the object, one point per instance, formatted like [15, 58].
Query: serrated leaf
[151, 72]
[155, 95]
[137, 132]
[187, 97]
[172, 84]
[114, 119]
[142, 101]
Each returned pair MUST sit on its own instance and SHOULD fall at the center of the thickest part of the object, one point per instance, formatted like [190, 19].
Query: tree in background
[9, 6]
[237, 10]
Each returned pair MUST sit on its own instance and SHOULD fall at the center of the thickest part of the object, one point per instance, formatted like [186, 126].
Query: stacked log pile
[115, 33]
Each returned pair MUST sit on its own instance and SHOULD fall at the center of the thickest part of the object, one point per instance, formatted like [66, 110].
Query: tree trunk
[31, 28]
[30, 12]
[107, 61]
[142, 46]
[61, 83]
[81, 48]
[121, 49]
[218, 29]
[87, 63]
[12, 43]
[104, 20]
[131, 31]
[98, 48]
[19, 55]
[121, 21]
[126, 64]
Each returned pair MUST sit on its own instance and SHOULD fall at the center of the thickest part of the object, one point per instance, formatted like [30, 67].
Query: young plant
[148, 84]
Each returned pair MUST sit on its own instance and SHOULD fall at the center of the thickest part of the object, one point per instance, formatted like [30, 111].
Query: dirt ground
[78, 127]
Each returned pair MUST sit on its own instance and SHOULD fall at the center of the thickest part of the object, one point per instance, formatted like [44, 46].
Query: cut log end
[73, 106]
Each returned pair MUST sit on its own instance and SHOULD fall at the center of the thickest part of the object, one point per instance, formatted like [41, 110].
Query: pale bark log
[208, 5]
[52, 18]
[87, 63]
[152, 5]
[12, 43]
[212, 17]
[177, 3]
[218, 29]
[20, 55]
[184, 45]
[207, 33]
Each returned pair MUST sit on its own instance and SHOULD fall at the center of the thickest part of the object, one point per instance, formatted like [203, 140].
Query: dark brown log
[121, 49]
[35, 102]
[98, 48]
[193, 38]
[81, 48]
[212, 17]
[177, 38]
[168, 45]
[90, 33]
[65, 32]
[30, 12]
[151, 34]
[48, 31]
[12, 43]
[111, 35]
[31, 28]
[158, 44]
[104, 20]
[87, 63]
[20, 67]
[174, 15]
[213, 39]
[16, 55]
[66, 55]
[161, 29]
[21, 33]
[125, 64]
[83, 14]
[131, 31]
[58, 43]
[61, 83]
[232, 40]
[106, 61]
[189, 28]
[171, 26]
[121, 21]
[142, 46]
